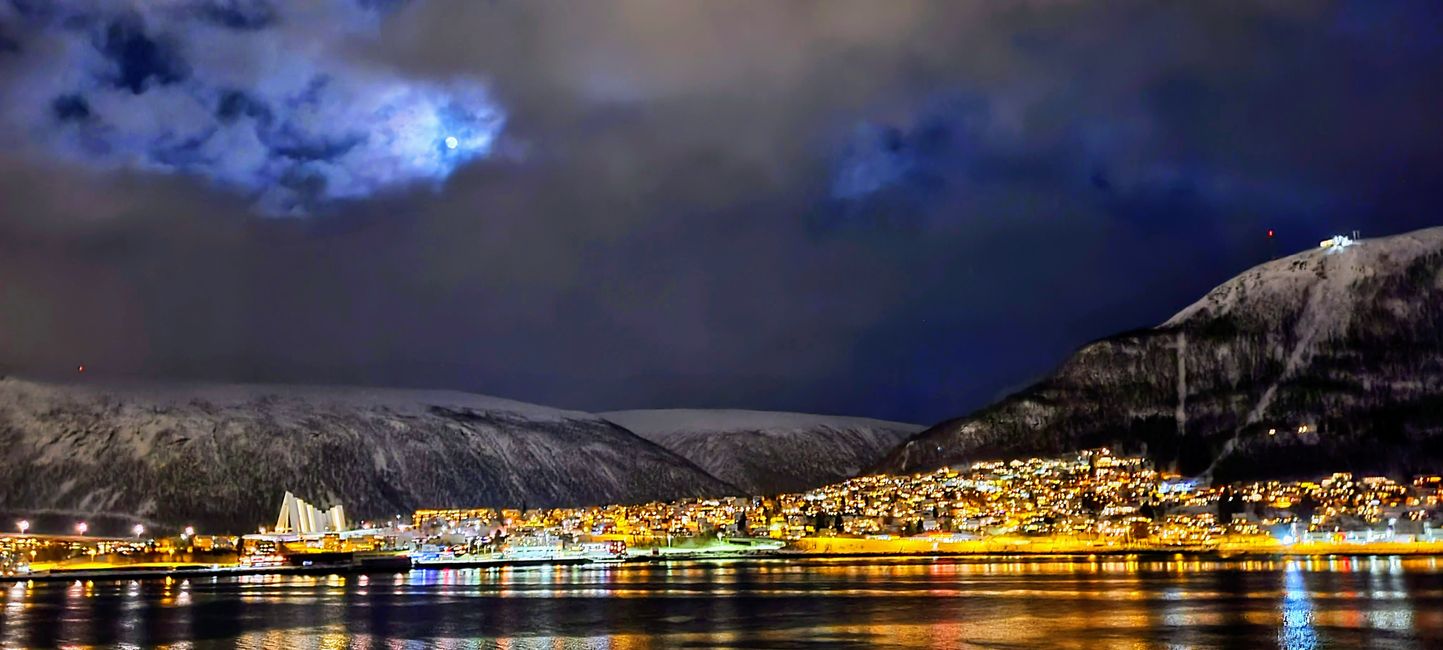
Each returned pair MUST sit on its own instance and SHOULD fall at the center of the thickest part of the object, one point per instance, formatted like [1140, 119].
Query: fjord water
[1100, 602]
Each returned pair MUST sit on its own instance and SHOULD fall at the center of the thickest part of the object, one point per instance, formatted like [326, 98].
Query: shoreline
[158, 573]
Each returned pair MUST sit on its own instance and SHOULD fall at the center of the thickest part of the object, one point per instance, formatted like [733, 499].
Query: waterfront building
[302, 518]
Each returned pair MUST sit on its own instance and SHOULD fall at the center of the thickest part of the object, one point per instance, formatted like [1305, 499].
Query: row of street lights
[24, 525]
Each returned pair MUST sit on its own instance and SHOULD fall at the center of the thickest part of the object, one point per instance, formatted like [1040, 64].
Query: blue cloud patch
[137, 85]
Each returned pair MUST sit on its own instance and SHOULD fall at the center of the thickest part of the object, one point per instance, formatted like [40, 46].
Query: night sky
[882, 208]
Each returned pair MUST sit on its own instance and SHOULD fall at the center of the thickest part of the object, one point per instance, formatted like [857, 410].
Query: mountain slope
[766, 452]
[1338, 352]
[222, 456]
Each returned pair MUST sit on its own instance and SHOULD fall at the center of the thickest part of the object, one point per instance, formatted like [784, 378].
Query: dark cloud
[239, 14]
[137, 59]
[70, 108]
[237, 104]
[894, 209]
[235, 94]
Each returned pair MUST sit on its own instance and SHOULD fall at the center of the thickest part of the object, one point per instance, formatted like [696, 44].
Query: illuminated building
[302, 518]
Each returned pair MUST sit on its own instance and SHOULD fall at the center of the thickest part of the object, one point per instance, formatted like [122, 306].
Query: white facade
[1336, 243]
[302, 518]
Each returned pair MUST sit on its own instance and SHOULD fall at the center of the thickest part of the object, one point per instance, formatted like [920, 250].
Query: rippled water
[996, 603]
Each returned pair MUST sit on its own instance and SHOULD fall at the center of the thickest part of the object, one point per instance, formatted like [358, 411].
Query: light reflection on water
[1292, 604]
[1298, 632]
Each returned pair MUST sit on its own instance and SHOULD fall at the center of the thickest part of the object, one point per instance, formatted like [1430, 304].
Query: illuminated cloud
[234, 92]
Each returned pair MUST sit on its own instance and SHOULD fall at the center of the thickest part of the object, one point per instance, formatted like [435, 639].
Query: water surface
[904, 603]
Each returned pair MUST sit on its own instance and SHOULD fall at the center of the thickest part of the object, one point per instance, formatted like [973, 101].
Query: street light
[138, 530]
[81, 527]
[23, 525]
[190, 531]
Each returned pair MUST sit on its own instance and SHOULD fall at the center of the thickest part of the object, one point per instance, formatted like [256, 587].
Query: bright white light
[452, 142]
[138, 530]
[81, 527]
[1337, 243]
[23, 525]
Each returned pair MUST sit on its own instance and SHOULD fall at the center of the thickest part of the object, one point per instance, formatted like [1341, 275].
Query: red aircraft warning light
[1270, 233]
[80, 368]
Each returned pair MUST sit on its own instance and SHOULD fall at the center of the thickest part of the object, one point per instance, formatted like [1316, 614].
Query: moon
[452, 142]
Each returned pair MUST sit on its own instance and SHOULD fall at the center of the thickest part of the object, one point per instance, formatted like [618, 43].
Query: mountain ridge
[768, 452]
[1337, 351]
[221, 455]
[169, 454]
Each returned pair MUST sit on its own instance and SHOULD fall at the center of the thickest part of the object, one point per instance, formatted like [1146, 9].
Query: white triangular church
[302, 518]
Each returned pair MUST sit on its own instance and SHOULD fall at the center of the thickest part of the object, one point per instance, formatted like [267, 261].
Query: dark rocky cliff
[1328, 360]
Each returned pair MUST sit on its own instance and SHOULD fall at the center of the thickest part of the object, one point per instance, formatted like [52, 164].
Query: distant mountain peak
[1345, 343]
[1326, 281]
[766, 452]
[221, 455]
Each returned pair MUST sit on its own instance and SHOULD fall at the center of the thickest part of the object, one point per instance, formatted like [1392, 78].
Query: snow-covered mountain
[1331, 359]
[766, 452]
[222, 456]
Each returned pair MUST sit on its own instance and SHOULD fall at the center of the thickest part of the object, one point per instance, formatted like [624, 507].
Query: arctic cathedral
[299, 517]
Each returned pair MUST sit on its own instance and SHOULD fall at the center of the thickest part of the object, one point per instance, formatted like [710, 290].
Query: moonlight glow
[320, 129]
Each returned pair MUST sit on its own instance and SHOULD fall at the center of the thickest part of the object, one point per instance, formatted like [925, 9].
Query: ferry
[711, 548]
[529, 550]
[526, 551]
[329, 560]
[612, 552]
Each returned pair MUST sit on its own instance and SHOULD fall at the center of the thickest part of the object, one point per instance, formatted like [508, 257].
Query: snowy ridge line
[661, 422]
[1285, 280]
[231, 395]
[769, 452]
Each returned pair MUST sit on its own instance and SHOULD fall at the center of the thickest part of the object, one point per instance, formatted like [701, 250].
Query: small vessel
[523, 551]
[612, 552]
[753, 544]
[537, 549]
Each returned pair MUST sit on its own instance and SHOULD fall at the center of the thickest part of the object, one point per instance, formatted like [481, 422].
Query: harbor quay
[1091, 502]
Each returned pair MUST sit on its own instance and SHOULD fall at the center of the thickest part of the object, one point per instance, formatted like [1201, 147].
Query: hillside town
[1086, 499]
[1091, 501]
